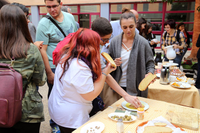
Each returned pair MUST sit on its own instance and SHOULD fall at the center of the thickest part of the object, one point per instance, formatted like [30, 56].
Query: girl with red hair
[78, 80]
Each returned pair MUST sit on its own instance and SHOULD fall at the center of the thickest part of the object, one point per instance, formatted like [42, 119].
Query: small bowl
[154, 40]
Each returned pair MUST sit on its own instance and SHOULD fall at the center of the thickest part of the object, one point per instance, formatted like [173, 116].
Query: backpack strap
[4, 65]
[178, 35]
[165, 35]
[48, 17]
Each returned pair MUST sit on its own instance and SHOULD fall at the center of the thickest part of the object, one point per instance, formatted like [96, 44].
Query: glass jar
[120, 126]
[140, 113]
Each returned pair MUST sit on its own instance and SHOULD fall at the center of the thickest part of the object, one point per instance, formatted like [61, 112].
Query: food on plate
[109, 59]
[175, 84]
[190, 81]
[176, 72]
[129, 105]
[124, 118]
[93, 129]
[179, 79]
[146, 81]
[160, 124]
[157, 129]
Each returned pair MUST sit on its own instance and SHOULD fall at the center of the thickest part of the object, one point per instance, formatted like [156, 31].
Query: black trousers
[197, 84]
[66, 130]
[22, 127]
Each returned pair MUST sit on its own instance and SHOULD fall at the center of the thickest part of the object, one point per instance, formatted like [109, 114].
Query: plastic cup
[159, 64]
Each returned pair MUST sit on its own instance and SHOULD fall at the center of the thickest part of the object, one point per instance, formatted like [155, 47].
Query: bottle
[140, 113]
[120, 126]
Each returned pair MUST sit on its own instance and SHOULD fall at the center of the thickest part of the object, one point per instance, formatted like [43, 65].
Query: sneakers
[55, 129]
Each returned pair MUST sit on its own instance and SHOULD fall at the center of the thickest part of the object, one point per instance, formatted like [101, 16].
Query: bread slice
[146, 81]
[109, 59]
[160, 124]
[156, 129]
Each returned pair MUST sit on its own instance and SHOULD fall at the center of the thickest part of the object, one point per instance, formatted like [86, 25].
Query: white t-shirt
[125, 58]
[67, 107]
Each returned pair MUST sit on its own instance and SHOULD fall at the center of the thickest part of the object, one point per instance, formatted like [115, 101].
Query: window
[119, 7]
[180, 17]
[149, 7]
[181, 6]
[90, 8]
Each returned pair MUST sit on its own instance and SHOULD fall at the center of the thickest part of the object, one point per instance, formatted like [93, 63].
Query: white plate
[182, 85]
[125, 105]
[121, 114]
[93, 127]
[172, 64]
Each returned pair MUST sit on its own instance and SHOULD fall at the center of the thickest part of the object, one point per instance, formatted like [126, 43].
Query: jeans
[22, 127]
[178, 59]
[52, 123]
[197, 84]
[50, 85]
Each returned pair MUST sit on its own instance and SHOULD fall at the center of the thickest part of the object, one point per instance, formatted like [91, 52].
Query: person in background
[51, 36]
[103, 27]
[141, 26]
[68, 9]
[169, 37]
[78, 80]
[197, 83]
[150, 36]
[181, 27]
[3, 2]
[16, 42]
[31, 27]
[117, 30]
[132, 55]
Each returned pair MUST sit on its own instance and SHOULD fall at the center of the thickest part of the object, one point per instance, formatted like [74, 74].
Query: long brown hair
[15, 37]
[84, 43]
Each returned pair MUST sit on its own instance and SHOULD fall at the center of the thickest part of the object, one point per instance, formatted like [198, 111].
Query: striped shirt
[170, 40]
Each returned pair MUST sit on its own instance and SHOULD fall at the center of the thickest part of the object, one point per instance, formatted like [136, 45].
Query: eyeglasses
[105, 40]
[54, 6]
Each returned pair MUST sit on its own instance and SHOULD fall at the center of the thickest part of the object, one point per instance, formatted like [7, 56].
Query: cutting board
[184, 117]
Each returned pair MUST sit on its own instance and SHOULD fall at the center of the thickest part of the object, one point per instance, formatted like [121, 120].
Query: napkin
[122, 110]
[163, 120]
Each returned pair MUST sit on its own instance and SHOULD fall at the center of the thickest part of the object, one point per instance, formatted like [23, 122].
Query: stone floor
[45, 127]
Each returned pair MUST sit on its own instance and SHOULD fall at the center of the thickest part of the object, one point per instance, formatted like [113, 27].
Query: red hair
[84, 43]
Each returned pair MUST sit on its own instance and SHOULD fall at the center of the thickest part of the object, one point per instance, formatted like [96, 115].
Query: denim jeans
[52, 123]
[50, 85]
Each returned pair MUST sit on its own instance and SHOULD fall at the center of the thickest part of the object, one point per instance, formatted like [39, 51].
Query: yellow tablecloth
[187, 97]
[156, 109]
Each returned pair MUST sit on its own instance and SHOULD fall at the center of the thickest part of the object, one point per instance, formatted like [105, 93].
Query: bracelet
[104, 74]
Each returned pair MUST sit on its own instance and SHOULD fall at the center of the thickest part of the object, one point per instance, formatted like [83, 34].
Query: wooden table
[186, 97]
[156, 109]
